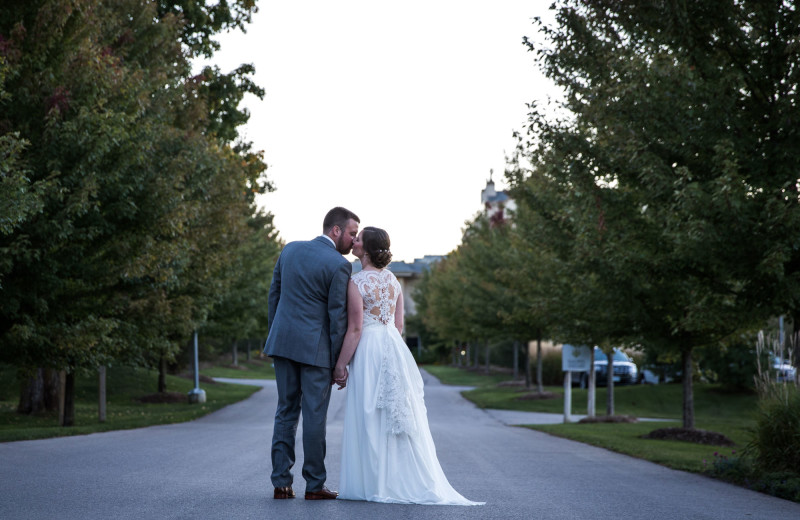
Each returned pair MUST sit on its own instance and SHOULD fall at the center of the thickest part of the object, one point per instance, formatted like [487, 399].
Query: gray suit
[307, 323]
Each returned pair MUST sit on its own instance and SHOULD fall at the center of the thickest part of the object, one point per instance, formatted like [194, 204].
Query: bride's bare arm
[398, 314]
[355, 317]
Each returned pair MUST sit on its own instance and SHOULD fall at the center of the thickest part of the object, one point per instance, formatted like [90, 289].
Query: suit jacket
[308, 303]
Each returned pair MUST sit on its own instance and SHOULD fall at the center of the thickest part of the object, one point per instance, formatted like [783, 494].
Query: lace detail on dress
[392, 396]
[379, 290]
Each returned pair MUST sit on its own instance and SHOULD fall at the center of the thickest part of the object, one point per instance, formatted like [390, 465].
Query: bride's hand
[340, 377]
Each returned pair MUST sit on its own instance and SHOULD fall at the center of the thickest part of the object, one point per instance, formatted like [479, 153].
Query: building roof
[500, 196]
[406, 269]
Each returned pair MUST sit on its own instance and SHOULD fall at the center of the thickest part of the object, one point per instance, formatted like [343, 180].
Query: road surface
[218, 467]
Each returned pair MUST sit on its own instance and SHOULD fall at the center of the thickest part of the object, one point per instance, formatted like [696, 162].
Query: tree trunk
[516, 359]
[162, 374]
[235, 354]
[488, 354]
[527, 357]
[610, 384]
[31, 394]
[39, 392]
[249, 356]
[476, 362]
[52, 385]
[69, 400]
[539, 363]
[688, 393]
[62, 381]
[101, 394]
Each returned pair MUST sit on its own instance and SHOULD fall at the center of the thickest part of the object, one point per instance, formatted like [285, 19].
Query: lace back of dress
[380, 290]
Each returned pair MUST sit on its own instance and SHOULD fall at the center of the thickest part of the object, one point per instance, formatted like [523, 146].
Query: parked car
[655, 373]
[625, 372]
[785, 372]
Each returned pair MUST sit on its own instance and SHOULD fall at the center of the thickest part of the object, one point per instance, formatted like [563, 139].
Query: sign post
[573, 359]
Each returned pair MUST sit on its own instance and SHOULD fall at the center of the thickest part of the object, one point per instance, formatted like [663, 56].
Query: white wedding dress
[387, 449]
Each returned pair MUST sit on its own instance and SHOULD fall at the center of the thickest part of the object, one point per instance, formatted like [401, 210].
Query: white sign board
[575, 359]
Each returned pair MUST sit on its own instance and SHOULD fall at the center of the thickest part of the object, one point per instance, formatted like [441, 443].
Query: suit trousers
[307, 389]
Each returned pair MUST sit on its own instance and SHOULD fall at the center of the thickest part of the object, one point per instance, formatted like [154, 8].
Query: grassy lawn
[732, 414]
[253, 369]
[464, 377]
[125, 386]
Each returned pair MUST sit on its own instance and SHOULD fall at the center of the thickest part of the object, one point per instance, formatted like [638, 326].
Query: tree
[569, 280]
[140, 191]
[680, 138]
[241, 312]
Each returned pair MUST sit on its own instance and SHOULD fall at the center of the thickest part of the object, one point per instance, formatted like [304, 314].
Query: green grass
[124, 387]
[626, 438]
[732, 414]
[465, 377]
[253, 369]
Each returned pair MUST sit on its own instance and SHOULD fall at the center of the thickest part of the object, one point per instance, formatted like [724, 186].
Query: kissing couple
[329, 327]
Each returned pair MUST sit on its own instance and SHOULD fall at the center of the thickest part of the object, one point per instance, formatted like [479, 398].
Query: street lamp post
[196, 394]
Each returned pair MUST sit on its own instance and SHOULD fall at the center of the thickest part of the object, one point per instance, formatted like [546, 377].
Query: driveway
[218, 467]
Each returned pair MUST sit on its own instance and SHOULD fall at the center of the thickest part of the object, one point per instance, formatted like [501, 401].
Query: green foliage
[739, 469]
[241, 311]
[776, 439]
[732, 364]
[552, 374]
[133, 215]
[668, 229]
[201, 20]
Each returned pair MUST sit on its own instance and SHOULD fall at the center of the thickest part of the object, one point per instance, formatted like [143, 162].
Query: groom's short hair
[338, 216]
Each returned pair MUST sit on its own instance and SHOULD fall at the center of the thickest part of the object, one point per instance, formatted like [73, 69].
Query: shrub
[552, 375]
[742, 471]
[776, 439]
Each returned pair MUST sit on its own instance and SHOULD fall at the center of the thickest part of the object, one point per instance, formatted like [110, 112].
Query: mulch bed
[690, 435]
[165, 397]
[609, 419]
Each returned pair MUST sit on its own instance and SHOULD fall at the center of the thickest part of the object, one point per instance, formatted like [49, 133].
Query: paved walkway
[217, 467]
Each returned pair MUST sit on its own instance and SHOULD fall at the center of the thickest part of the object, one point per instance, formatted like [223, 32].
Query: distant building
[497, 204]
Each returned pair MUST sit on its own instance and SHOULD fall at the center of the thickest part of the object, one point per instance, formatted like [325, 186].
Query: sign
[575, 359]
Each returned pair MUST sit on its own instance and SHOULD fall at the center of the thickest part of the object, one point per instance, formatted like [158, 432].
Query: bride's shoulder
[360, 276]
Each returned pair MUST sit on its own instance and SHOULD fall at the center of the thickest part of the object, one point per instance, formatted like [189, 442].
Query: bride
[387, 449]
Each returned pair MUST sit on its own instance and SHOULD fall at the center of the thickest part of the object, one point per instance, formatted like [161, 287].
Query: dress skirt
[388, 453]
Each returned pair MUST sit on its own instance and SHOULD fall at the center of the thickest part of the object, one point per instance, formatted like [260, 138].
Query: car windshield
[776, 360]
[599, 355]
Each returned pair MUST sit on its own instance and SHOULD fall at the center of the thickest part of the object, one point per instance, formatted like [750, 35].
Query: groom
[307, 323]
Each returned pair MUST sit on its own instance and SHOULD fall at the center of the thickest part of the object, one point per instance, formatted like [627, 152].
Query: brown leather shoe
[322, 494]
[284, 492]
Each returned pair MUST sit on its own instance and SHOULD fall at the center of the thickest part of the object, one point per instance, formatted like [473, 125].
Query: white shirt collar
[330, 239]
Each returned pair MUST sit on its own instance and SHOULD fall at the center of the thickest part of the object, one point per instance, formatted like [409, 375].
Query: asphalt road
[218, 467]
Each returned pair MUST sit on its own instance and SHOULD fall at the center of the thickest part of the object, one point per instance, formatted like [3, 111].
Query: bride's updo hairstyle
[376, 246]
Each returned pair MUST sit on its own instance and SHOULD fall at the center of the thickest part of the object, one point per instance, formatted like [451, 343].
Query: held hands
[340, 375]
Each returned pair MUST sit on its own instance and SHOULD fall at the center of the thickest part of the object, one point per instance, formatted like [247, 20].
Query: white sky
[396, 111]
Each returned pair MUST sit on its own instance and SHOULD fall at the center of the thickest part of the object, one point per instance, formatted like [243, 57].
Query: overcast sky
[396, 111]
